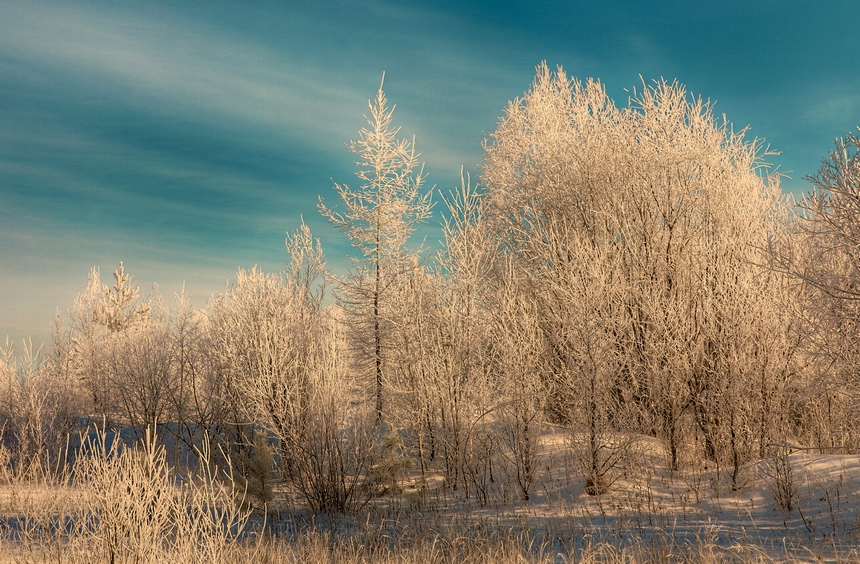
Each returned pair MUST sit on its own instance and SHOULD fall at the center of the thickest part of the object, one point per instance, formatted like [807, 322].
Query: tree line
[616, 272]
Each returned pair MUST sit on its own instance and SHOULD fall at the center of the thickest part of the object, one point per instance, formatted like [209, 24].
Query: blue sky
[185, 138]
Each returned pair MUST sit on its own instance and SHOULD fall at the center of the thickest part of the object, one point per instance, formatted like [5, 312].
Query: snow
[692, 506]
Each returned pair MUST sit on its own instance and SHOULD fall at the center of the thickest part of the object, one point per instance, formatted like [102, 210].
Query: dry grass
[127, 506]
[123, 505]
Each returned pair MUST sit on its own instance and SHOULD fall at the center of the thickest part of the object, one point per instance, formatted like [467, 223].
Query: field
[129, 507]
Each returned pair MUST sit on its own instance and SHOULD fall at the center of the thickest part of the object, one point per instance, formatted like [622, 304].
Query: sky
[186, 138]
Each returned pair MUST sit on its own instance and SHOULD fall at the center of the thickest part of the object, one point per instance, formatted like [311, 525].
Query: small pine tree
[255, 476]
[120, 302]
[392, 467]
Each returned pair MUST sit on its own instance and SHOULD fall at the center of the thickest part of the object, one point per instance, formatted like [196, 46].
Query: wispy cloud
[828, 108]
[186, 138]
[173, 67]
[178, 144]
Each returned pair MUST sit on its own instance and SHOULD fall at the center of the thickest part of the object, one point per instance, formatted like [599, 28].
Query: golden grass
[127, 506]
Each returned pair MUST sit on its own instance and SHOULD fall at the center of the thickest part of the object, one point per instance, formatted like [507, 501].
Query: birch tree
[826, 262]
[286, 364]
[644, 228]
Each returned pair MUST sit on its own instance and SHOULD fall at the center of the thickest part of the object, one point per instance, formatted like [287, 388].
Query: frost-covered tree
[36, 412]
[379, 217]
[834, 210]
[140, 367]
[518, 357]
[440, 377]
[196, 395]
[121, 305]
[642, 230]
[826, 262]
[79, 343]
[462, 379]
[285, 360]
[100, 316]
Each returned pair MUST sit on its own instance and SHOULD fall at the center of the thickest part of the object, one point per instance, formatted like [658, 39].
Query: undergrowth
[122, 504]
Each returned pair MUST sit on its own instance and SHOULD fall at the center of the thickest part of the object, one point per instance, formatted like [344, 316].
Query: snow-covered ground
[804, 505]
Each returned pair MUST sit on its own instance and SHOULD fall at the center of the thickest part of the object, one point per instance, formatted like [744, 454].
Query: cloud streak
[172, 69]
[185, 139]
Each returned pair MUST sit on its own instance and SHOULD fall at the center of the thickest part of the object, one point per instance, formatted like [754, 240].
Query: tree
[97, 321]
[196, 393]
[141, 370]
[120, 304]
[643, 232]
[518, 355]
[825, 260]
[834, 214]
[442, 370]
[284, 356]
[36, 412]
[380, 216]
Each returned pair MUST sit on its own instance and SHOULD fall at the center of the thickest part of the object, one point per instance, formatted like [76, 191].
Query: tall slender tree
[379, 218]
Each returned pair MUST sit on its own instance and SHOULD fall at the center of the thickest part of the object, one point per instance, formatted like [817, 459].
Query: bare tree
[286, 363]
[824, 260]
[643, 231]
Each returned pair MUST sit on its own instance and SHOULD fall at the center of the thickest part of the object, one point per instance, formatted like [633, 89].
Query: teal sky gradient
[186, 138]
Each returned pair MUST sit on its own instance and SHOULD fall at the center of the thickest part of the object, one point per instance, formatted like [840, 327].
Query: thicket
[615, 272]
